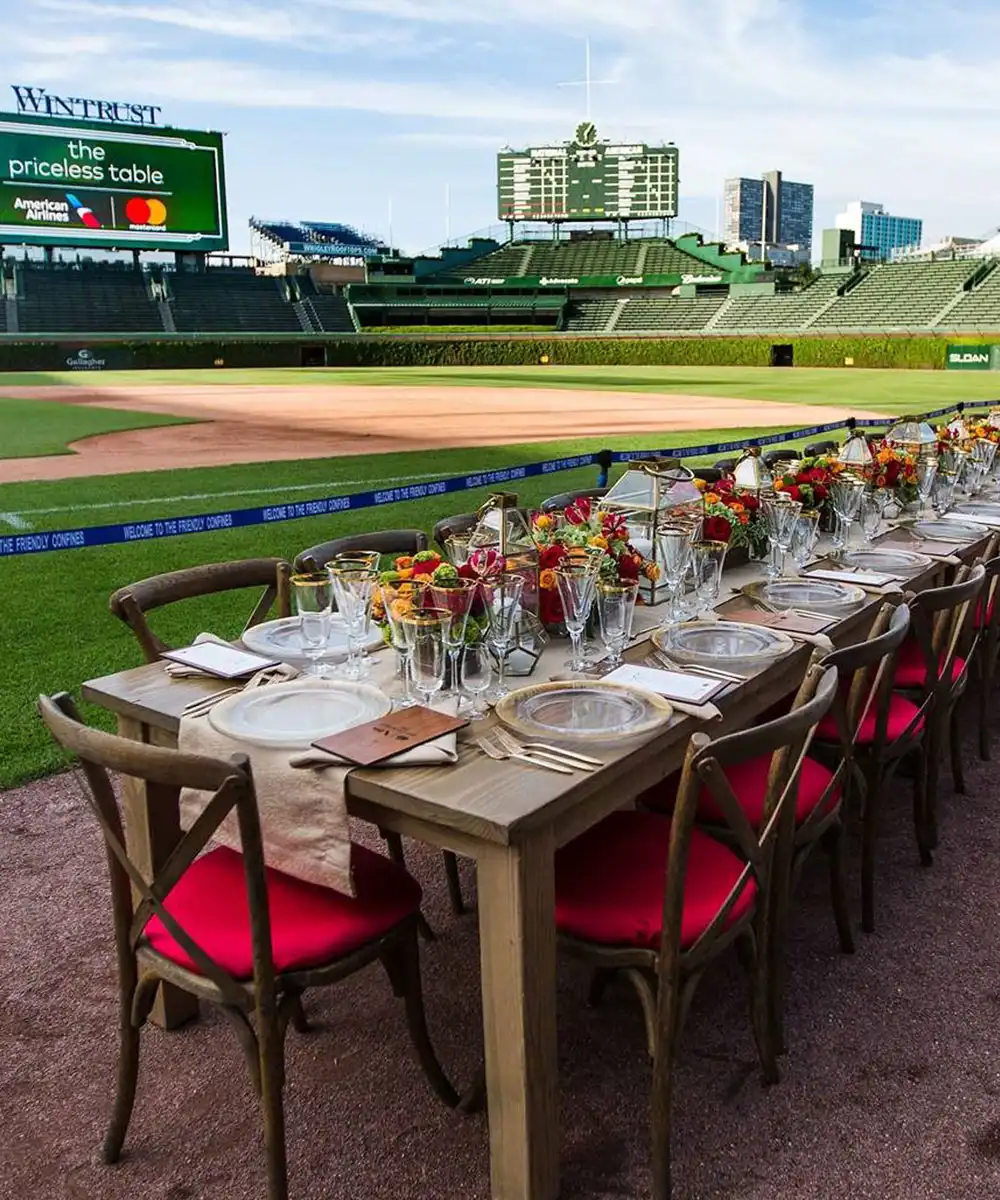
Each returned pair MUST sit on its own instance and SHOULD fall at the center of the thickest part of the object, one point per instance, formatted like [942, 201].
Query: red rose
[716, 529]
[550, 609]
[749, 502]
[821, 492]
[628, 567]
[794, 492]
[551, 556]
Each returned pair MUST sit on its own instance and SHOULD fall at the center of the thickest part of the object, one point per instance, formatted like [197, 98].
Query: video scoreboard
[588, 179]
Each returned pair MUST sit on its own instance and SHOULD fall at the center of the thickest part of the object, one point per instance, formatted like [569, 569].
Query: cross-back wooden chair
[131, 604]
[228, 929]
[870, 730]
[657, 900]
[565, 499]
[987, 622]
[385, 541]
[934, 665]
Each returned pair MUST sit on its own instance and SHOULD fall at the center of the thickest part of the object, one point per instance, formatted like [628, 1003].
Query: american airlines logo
[37, 102]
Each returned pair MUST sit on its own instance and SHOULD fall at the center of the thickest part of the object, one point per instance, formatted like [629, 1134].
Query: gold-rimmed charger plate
[588, 710]
[816, 595]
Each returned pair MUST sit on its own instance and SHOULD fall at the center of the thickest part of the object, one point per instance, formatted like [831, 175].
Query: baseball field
[79, 450]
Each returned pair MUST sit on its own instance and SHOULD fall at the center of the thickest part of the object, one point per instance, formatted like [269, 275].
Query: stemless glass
[424, 630]
[674, 545]
[354, 591]
[355, 560]
[845, 494]
[456, 598]
[502, 595]
[708, 559]
[804, 537]
[477, 673]
[312, 603]
[398, 599]
[577, 585]
[615, 608]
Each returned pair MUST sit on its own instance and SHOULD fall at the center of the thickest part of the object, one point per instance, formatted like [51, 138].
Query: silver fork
[660, 659]
[564, 758]
[199, 707]
[493, 749]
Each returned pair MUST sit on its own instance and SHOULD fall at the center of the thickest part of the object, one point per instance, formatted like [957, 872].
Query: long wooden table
[510, 819]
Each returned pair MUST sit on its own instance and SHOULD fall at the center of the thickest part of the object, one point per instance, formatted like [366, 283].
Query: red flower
[425, 567]
[794, 492]
[628, 566]
[750, 502]
[820, 491]
[578, 513]
[551, 556]
[550, 609]
[614, 525]
[716, 529]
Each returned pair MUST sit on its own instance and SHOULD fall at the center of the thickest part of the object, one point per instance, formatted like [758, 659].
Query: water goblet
[943, 493]
[708, 559]
[577, 584]
[845, 495]
[804, 537]
[502, 596]
[458, 547]
[871, 517]
[398, 599]
[674, 545]
[312, 595]
[615, 609]
[477, 673]
[424, 630]
[455, 597]
[926, 474]
[779, 513]
[354, 591]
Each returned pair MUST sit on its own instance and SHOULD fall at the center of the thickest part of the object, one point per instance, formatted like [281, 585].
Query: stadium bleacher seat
[662, 313]
[979, 308]
[780, 312]
[85, 299]
[230, 301]
[898, 296]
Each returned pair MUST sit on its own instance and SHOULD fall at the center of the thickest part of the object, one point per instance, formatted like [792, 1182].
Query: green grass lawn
[37, 427]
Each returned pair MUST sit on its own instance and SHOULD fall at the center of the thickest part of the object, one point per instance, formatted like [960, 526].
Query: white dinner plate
[282, 639]
[293, 715]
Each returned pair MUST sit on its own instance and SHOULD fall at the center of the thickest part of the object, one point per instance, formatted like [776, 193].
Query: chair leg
[454, 883]
[955, 746]
[407, 954]
[669, 1022]
[272, 1071]
[833, 844]
[926, 821]
[869, 814]
[394, 844]
[128, 1074]
[985, 690]
[598, 986]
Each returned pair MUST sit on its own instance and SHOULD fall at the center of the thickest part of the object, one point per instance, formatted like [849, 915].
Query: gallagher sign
[37, 102]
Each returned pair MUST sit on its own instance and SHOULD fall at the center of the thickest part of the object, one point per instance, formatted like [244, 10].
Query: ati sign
[972, 358]
[37, 102]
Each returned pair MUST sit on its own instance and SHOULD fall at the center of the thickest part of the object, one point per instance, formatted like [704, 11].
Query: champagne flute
[779, 513]
[845, 493]
[674, 544]
[804, 537]
[312, 603]
[926, 474]
[424, 630]
[871, 517]
[577, 585]
[354, 590]
[502, 595]
[615, 609]
[477, 674]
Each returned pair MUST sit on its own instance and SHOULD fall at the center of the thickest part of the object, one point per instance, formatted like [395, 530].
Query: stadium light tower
[588, 83]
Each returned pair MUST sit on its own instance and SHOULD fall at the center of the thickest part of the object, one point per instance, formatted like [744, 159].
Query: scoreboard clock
[588, 179]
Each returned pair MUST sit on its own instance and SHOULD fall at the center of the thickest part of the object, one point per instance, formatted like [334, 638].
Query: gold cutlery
[564, 758]
[198, 708]
[662, 660]
[492, 749]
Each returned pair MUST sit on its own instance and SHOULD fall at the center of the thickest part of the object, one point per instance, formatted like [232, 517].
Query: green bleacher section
[979, 308]
[898, 296]
[657, 314]
[577, 259]
[589, 316]
[779, 312]
[508, 261]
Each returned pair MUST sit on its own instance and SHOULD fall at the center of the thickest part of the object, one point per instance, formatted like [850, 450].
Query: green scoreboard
[98, 184]
[587, 179]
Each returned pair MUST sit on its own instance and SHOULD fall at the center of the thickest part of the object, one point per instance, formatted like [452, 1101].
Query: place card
[224, 662]
[863, 578]
[671, 685]
[392, 734]
[787, 622]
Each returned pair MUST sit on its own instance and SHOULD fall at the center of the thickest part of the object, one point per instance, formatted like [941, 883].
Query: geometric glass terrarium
[650, 494]
[856, 454]
[913, 436]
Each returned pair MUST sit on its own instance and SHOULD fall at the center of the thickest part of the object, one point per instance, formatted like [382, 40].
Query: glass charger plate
[282, 639]
[887, 560]
[582, 711]
[722, 642]
[293, 715]
[983, 509]
[815, 595]
[947, 531]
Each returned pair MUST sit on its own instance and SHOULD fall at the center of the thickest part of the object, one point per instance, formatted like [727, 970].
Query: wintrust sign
[37, 102]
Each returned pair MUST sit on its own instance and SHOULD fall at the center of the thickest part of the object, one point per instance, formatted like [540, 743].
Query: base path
[267, 424]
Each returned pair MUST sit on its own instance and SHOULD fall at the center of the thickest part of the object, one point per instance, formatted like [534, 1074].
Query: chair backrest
[130, 604]
[786, 454]
[866, 671]
[785, 739]
[386, 541]
[565, 499]
[726, 465]
[707, 474]
[819, 449]
[231, 785]
[942, 620]
[987, 607]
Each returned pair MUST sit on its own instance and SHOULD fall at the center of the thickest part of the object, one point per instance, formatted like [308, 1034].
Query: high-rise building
[877, 232]
[771, 213]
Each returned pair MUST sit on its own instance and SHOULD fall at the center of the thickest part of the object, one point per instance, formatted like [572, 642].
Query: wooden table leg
[152, 830]
[518, 950]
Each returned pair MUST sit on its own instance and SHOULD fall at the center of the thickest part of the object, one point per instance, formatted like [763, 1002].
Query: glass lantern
[993, 420]
[856, 454]
[651, 493]
[913, 436]
[751, 474]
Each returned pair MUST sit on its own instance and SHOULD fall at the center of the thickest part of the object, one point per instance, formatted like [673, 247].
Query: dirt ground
[265, 424]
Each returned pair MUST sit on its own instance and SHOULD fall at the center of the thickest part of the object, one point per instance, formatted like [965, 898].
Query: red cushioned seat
[610, 882]
[911, 670]
[748, 780]
[901, 714]
[310, 925]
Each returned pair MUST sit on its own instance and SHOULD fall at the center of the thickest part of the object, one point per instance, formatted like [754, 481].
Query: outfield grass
[43, 427]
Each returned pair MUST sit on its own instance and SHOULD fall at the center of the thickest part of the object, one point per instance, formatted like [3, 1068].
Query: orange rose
[547, 580]
[711, 497]
[700, 484]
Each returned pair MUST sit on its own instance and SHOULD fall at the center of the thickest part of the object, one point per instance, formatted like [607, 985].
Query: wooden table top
[501, 802]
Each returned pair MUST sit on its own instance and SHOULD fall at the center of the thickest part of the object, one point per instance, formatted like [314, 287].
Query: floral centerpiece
[731, 516]
[896, 470]
[409, 572]
[810, 482]
[573, 535]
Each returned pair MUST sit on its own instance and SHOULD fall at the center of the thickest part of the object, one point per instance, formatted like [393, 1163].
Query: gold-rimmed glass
[424, 631]
[455, 597]
[708, 558]
[354, 591]
[615, 609]
[313, 594]
[576, 583]
[398, 599]
[458, 547]
[805, 535]
[355, 560]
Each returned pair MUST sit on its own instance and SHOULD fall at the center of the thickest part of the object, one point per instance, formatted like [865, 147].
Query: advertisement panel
[970, 358]
[89, 183]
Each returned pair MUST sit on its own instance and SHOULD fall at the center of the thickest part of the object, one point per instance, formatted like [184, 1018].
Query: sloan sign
[37, 102]
[972, 358]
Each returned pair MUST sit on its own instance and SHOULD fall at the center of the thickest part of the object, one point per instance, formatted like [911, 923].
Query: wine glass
[354, 591]
[398, 599]
[674, 544]
[424, 630]
[708, 558]
[456, 598]
[845, 494]
[804, 537]
[502, 595]
[943, 492]
[615, 608]
[779, 514]
[312, 603]
[355, 560]
[577, 585]
[477, 674]
[926, 474]
[458, 547]
[871, 517]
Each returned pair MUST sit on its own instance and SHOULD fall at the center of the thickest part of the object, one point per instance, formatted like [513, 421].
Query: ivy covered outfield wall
[96, 354]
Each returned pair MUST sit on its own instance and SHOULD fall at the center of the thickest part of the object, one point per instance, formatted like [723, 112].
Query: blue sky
[335, 107]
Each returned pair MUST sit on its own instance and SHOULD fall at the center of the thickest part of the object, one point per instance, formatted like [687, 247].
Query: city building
[879, 234]
[770, 217]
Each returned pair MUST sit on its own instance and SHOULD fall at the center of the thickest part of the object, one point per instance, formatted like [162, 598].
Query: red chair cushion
[911, 670]
[310, 925]
[610, 882]
[749, 781]
[978, 619]
[901, 714]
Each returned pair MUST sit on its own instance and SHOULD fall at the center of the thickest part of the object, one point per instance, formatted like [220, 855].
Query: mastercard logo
[146, 212]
